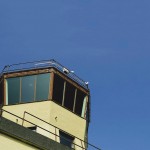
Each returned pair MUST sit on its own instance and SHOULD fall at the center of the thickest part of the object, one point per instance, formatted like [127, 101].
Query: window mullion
[74, 105]
[64, 93]
[86, 107]
[51, 85]
[20, 89]
[35, 80]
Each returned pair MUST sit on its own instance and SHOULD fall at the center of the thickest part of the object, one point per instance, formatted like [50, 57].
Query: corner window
[58, 89]
[79, 102]
[67, 95]
[66, 139]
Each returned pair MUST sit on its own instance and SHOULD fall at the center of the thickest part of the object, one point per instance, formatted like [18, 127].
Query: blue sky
[105, 43]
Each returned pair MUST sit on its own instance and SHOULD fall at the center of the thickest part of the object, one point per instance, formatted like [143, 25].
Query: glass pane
[27, 89]
[84, 108]
[79, 102]
[69, 96]
[58, 89]
[42, 86]
[13, 90]
[66, 139]
[1, 92]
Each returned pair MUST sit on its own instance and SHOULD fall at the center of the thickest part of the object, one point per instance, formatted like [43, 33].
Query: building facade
[46, 99]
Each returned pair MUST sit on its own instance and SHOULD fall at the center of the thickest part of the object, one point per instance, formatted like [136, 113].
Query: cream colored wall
[67, 121]
[8, 143]
[39, 109]
[50, 112]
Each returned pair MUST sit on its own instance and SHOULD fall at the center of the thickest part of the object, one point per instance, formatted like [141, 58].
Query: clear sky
[105, 42]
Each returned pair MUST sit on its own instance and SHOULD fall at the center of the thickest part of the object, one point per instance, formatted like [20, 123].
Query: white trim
[6, 92]
[83, 108]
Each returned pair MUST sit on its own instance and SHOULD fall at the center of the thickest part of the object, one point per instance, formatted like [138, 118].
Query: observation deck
[43, 64]
[52, 99]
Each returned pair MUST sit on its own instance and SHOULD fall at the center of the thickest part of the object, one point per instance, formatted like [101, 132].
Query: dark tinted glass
[58, 89]
[66, 139]
[42, 86]
[1, 91]
[13, 90]
[79, 102]
[27, 88]
[69, 96]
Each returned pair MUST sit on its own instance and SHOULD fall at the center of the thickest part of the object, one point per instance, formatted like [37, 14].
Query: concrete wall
[52, 113]
[14, 136]
[9, 143]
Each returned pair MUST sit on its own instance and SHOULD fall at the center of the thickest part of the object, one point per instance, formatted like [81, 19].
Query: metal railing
[83, 145]
[40, 65]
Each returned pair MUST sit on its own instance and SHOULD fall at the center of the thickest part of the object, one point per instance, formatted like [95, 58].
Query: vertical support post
[74, 105]
[1, 112]
[50, 95]
[23, 118]
[55, 134]
[4, 86]
[35, 80]
[82, 145]
[20, 89]
[86, 107]
[64, 93]
[2, 91]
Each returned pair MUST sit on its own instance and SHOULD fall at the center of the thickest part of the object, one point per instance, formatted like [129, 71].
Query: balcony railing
[83, 146]
[43, 64]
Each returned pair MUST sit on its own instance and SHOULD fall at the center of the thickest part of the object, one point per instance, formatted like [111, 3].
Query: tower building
[44, 105]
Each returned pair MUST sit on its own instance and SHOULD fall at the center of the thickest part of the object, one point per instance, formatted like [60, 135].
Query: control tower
[49, 99]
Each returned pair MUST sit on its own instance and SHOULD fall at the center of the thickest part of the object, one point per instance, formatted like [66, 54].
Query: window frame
[83, 112]
[52, 72]
[66, 138]
[20, 101]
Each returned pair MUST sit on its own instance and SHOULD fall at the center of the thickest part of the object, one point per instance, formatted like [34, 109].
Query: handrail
[59, 128]
[42, 64]
[23, 119]
[41, 128]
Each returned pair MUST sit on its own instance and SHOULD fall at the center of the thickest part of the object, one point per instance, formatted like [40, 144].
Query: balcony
[75, 143]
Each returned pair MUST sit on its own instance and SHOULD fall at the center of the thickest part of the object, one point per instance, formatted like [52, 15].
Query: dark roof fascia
[69, 76]
[48, 64]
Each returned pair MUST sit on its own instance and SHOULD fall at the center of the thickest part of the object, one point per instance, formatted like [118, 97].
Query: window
[42, 86]
[36, 88]
[28, 88]
[66, 139]
[67, 95]
[13, 90]
[58, 89]
[79, 102]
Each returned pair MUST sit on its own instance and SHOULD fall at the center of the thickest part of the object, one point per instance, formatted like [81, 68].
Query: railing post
[55, 134]
[23, 118]
[82, 145]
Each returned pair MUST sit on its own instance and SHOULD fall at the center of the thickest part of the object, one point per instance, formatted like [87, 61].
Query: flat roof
[42, 64]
